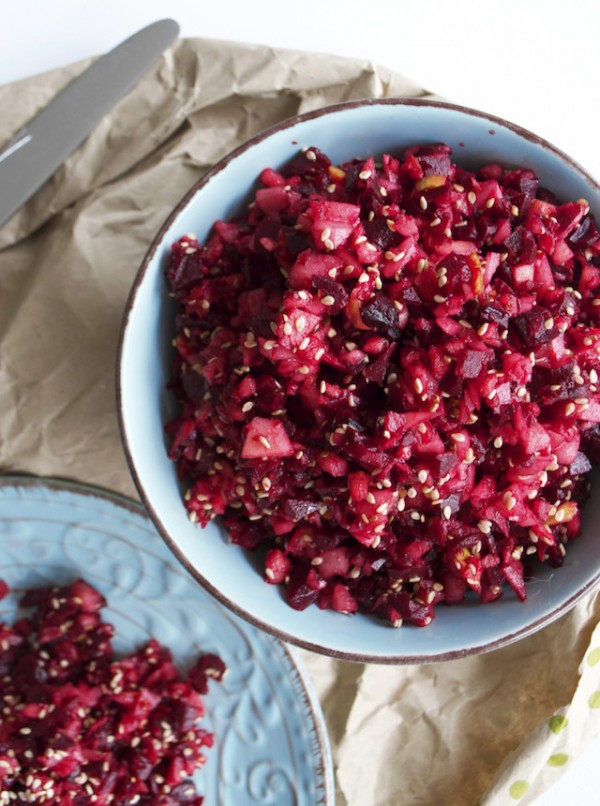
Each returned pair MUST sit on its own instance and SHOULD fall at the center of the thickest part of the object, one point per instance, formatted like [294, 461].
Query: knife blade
[43, 144]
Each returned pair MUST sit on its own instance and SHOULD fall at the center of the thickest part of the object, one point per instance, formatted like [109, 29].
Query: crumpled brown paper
[479, 729]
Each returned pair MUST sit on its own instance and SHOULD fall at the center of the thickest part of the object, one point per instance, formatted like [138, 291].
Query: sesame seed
[559, 515]
[569, 409]
[422, 476]
[364, 175]
[395, 256]
[264, 441]
[423, 203]
[458, 437]
[310, 155]
[471, 197]
[435, 222]
[485, 527]
[418, 385]
[498, 442]
[447, 512]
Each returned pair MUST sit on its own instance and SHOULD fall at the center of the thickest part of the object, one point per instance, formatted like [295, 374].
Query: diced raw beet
[389, 369]
[333, 222]
[342, 600]
[309, 265]
[207, 667]
[277, 566]
[266, 438]
[303, 586]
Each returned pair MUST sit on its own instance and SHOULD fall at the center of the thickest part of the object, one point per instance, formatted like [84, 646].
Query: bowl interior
[342, 133]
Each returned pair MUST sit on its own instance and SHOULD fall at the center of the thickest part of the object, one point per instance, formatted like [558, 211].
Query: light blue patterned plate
[271, 745]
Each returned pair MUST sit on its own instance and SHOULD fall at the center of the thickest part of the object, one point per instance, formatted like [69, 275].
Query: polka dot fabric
[538, 762]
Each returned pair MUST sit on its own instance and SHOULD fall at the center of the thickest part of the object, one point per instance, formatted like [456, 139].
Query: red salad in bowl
[387, 375]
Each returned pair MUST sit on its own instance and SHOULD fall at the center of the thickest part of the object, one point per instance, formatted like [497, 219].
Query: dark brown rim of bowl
[310, 702]
[507, 639]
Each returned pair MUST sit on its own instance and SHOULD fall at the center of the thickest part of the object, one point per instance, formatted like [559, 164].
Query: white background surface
[534, 62]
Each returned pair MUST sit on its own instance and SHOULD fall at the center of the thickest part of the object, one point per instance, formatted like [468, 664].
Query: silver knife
[39, 148]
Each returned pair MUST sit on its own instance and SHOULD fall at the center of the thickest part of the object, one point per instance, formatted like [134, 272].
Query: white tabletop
[534, 62]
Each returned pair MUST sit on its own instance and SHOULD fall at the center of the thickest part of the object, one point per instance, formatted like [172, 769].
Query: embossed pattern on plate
[271, 745]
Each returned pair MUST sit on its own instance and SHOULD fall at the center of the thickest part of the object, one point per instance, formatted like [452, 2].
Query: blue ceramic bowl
[343, 132]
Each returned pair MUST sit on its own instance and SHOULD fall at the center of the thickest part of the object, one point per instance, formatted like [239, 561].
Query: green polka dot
[518, 789]
[594, 700]
[558, 759]
[594, 657]
[558, 723]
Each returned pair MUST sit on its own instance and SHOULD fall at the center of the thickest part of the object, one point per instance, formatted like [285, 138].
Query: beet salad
[81, 726]
[388, 378]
